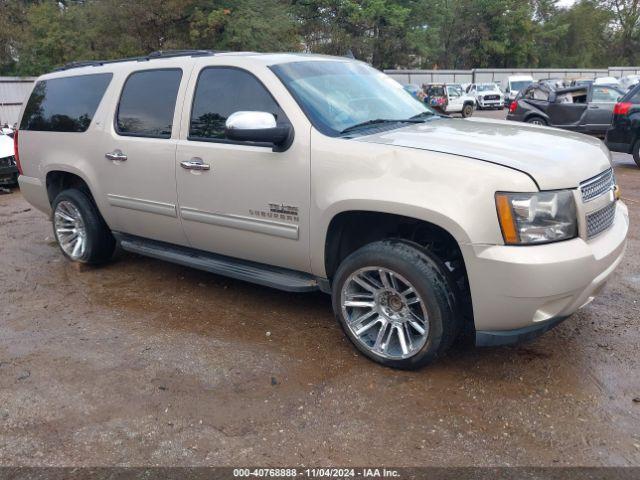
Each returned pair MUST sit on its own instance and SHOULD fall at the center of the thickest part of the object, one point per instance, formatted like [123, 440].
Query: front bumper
[491, 103]
[520, 291]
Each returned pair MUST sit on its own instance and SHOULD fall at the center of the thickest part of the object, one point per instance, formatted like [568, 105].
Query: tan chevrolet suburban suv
[305, 172]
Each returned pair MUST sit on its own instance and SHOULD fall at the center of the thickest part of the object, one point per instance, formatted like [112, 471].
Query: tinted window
[223, 91]
[148, 102]
[64, 104]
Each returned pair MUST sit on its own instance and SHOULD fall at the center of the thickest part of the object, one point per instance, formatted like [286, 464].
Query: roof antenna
[350, 55]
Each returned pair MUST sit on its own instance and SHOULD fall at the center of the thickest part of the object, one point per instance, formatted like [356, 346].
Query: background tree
[38, 35]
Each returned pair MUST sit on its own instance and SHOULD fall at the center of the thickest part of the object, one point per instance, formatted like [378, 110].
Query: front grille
[598, 185]
[7, 161]
[598, 222]
[491, 97]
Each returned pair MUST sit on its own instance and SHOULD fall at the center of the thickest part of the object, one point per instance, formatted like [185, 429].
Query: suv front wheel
[81, 232]
[396, 304]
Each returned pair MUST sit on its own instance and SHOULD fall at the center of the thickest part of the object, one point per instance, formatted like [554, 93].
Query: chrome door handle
[195, 164]
[116, 156]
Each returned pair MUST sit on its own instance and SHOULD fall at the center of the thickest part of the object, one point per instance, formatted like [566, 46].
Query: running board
[274, 277]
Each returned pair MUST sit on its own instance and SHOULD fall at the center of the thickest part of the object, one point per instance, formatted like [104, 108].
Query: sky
[566, 3]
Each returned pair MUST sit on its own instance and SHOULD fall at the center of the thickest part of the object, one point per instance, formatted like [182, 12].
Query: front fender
[453, 192]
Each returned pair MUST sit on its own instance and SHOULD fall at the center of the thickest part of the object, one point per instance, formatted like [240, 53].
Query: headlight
[529, 218]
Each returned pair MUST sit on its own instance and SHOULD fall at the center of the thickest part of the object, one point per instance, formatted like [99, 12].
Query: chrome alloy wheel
[70, 229]
[385, 313]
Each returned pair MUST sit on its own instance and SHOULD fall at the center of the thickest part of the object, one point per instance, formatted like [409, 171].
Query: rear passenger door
[137, 157]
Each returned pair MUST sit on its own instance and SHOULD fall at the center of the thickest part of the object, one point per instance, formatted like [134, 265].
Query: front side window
[605, 95]
[222, 91]
[148, 102]
[65, 104]
[336, 95]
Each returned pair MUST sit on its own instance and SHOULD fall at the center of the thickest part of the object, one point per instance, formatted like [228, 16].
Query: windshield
[520, 85]
[337, 95]
[487, 87]
[454, 90]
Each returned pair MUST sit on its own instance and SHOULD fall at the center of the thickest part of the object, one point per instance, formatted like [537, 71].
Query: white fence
[14, 90]
[479, 75]
[13, 93]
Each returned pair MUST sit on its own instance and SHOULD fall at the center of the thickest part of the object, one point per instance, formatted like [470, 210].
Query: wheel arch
[534, 112]
[61, 178]
[375, 222]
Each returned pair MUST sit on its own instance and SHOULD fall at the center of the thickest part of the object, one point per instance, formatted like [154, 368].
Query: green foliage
[38, 35]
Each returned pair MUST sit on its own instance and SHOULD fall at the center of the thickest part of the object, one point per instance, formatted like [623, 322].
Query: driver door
[455, 100]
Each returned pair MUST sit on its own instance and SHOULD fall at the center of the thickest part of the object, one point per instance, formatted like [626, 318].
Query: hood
[554, 158]
[6, 146]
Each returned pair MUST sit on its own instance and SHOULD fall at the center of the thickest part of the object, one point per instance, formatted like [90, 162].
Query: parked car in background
[306, 173]
[486, 95]
[8, 168]
[608, 81]
[624, 133]
[585, 109]
[554, 82]
[581, 82]
[7, 130]
[629, 81]
[513, 84]
[449, 98]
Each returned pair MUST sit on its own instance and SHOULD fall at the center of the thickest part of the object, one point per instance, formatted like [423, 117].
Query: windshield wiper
[379, 121]
[423, 115]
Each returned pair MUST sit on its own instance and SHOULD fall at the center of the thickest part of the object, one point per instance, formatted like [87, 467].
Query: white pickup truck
[449, 98]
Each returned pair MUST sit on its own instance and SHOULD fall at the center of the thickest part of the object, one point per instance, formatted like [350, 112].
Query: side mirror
[260, 127]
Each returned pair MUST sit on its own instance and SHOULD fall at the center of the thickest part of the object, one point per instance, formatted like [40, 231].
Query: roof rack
[152, 56]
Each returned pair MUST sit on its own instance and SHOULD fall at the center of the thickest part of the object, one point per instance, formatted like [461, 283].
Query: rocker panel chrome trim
[149, 206]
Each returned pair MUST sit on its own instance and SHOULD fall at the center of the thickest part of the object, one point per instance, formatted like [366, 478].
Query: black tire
[100, 243]
[537, 120]
[467, 110]
[430, 278]
[636, 152]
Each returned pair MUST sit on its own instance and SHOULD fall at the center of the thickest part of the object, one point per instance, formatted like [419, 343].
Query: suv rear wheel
[467, 110]
[395, 302]
[80, 230]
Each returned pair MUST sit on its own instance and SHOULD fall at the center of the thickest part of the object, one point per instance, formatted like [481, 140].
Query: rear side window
[223, 91]
[64, 104]
[147, 103]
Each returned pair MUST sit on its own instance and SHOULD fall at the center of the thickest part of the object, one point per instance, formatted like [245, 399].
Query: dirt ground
[142, 362]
